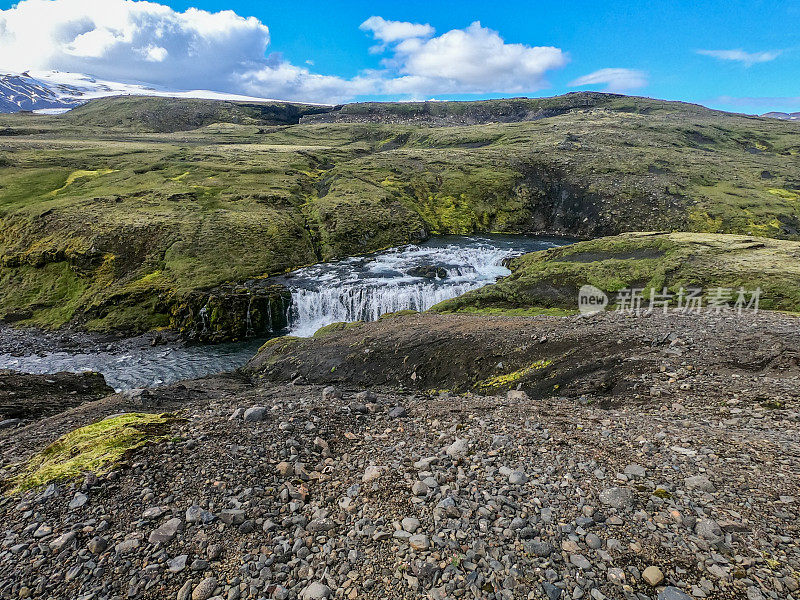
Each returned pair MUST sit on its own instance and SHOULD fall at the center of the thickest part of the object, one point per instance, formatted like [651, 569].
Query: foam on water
[364, 288]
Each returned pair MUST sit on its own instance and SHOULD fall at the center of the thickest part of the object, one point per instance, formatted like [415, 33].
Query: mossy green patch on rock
[338, 326]
[94, 448]
[280, 341]
[506, 380]
[552, 278]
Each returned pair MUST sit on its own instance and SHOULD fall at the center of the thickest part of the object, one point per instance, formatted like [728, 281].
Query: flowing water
[364, 288]
[360, 288]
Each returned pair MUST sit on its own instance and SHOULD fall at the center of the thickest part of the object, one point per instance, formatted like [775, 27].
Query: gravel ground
[275, 490]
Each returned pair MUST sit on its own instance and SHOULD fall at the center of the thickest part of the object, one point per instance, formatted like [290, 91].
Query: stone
[419, 542]
[205, 589]
[458, 449]
[652, 575]
[372, 473]
[708, 529]
[620, 498]
[166, 532]
[199, 564]
[214, 551]
[127, 546]
[62, 541]
[232, 516]
[635, 470]
[397, 412]
[285, 469]
[197, 514]
[673, 593]
[410, 524]
[185, 592]
[419, 488]
[593, 541]
[315, 591]
[177, 564]
[517, 477]
[78, 501]
[255, 414]
[42, 531]
[552, 592]
[699, 482]
[154, 512]
[580, 561]
[541, 549]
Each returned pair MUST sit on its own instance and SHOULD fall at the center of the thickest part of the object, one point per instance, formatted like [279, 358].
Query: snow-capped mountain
[784, 116]
[56, 91]
[22, 92]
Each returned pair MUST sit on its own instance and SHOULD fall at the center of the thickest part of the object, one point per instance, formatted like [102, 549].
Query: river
[359, 288]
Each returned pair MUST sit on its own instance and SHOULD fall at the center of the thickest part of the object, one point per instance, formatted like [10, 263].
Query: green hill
[114, 215]
[168, 115]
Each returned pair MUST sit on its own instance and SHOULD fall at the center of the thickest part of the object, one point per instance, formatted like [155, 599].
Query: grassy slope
[111, 226]
[552, 278]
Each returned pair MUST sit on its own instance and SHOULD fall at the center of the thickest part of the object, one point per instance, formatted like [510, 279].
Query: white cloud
[474, 60]
[394, 31]
[135, 41]
[748, 59]
[614, 80]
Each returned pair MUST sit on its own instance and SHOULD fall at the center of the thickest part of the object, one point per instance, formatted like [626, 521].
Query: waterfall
[364, 288]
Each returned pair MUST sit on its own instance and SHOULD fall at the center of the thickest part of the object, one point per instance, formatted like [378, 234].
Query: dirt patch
[613, 357]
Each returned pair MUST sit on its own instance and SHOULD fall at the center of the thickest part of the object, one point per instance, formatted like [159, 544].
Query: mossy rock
[338, 326]
[94, 448]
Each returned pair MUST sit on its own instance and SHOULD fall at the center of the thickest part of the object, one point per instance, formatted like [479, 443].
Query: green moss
[281, 341]
[785, 194]
[95, 448]
[338, 326]
[80, 174]
[505, 381]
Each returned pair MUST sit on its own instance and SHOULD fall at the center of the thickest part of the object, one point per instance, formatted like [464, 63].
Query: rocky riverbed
[684, 487]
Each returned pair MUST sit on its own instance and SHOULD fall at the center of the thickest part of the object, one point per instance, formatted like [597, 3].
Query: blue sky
[733, 55]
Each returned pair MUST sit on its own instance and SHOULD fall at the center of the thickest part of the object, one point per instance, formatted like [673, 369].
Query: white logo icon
[591, 300]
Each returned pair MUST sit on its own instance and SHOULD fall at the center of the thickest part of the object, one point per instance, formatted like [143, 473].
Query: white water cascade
[364, 288]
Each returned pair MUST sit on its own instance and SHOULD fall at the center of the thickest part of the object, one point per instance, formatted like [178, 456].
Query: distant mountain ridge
[56, 91]
[22, 92]
[795, 116]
